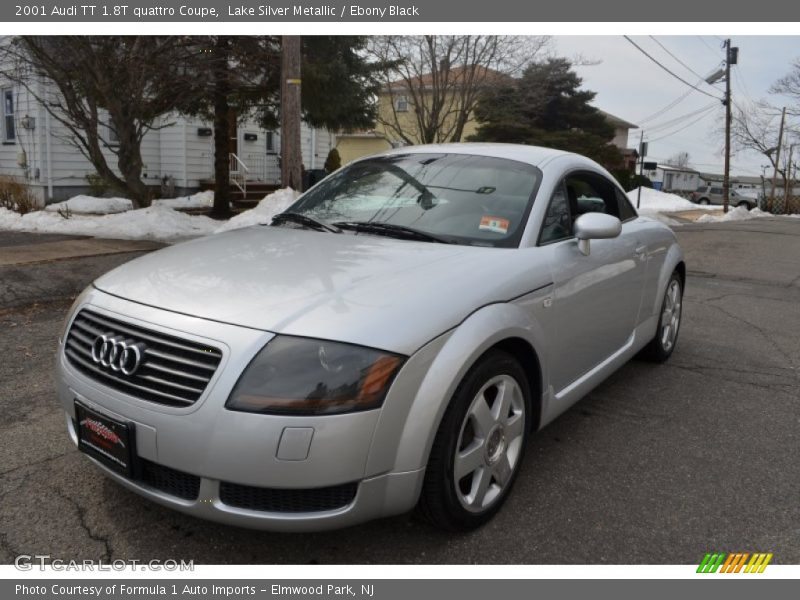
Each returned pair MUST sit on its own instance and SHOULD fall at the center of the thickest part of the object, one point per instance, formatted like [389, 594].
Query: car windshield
[457, 198]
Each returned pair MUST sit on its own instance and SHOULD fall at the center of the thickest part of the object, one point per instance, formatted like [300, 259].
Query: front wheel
[703, 201]
[743, 204]
[478, 448]
[661, 346]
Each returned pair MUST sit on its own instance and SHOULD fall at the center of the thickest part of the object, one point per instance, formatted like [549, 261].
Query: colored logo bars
[735, 562]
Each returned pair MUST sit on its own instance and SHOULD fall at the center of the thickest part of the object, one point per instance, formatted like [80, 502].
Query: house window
[9, 131]
[401, 104]
[270, 141]
[113, 136]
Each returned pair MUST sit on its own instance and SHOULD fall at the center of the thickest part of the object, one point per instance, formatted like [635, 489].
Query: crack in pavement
[36, 464]
[81, 511]
[789, 359]
[780, 389]
[6, 545]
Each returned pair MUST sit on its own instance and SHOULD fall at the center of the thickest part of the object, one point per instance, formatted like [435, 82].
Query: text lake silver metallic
[118, 353]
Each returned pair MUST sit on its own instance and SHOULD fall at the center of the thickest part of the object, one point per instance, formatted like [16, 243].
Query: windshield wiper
[305, 220]
[392, 230]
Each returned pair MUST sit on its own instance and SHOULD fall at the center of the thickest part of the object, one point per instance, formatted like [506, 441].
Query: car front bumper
[214, 449]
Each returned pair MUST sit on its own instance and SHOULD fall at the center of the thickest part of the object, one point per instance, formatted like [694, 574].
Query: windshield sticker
[494, 224]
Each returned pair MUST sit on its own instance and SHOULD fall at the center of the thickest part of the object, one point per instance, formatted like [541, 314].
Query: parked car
[711, 194]
[390, 341]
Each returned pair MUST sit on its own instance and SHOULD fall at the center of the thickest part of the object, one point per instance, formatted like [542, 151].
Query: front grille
[172, 371]
[170, 481]
[288, 501]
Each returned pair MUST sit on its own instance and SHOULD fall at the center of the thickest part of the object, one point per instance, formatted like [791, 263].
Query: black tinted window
[557, 221]
[626, 210]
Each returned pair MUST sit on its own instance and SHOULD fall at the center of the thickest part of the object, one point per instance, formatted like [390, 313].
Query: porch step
[256, 190]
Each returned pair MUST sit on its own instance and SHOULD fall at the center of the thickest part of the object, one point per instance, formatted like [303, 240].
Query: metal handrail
[238, 171]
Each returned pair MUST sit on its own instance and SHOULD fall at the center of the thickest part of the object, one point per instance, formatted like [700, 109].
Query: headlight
[302, 376]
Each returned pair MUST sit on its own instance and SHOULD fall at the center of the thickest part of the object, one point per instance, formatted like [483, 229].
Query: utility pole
[291, 154]
[642, 152]
[788, 172]
[777, 158]
[731, 56]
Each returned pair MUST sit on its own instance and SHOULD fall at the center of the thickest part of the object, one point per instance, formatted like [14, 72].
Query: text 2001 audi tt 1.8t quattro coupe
[389, 341]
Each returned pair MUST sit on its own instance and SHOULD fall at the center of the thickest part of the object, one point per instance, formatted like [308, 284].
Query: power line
[706, 44]
[701, 117]
[677, 120]
[678, 77]
[692, 71]
[672, 104]
[742, 85]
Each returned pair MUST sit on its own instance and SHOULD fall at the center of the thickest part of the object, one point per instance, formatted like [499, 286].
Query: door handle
[641, 252]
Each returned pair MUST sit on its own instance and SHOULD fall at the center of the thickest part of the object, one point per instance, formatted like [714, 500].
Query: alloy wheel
[671, 316]
[489, 443]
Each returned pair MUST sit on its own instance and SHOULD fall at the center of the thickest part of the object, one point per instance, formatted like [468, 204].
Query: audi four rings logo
[118, 353]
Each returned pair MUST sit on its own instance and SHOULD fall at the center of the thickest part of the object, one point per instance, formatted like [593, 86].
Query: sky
[632, 87]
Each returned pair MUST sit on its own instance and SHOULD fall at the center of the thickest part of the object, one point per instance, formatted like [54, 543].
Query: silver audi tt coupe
[389, 341]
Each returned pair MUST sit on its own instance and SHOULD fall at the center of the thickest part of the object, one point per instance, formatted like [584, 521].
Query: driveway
[660, 464]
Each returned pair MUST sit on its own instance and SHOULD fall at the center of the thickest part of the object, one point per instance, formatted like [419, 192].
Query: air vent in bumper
[287, 500]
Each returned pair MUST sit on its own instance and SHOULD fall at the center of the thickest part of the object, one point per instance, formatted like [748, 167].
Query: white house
[36, 148]
[674, 179]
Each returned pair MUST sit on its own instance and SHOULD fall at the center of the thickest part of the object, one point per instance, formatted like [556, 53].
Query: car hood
[375, 291]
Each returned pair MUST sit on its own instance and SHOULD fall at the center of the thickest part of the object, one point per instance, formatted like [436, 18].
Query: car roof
[533, 155]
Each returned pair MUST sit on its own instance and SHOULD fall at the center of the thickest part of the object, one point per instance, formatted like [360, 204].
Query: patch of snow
[158, 222]
[653, 202]
[154, 223]
[269, 206]
[739, 213]
[198, 200]
[90, 204]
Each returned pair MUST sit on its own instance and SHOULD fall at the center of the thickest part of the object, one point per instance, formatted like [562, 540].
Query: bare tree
[442, 77]
[755, 127]
[107, 91]
[789, 86]
[679, 159]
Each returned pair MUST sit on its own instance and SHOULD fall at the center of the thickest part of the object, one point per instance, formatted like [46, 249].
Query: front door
[596, 298]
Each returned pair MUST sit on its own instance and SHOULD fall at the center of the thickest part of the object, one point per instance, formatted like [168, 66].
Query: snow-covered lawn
[653, 202]
[82, 205]
[157, 222]
[740, 214]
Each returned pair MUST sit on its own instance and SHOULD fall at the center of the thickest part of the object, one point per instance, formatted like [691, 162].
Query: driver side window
[557, 221]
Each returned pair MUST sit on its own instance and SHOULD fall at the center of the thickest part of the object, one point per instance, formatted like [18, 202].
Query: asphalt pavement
[660, 464]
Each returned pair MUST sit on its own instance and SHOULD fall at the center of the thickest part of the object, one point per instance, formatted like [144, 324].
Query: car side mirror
[595, 226]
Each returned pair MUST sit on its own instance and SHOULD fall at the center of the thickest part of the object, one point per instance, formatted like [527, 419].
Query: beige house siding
[351, 147]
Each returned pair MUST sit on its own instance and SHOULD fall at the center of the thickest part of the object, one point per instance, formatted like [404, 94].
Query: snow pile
[85, 205]
[268, 207]
[198, 200]
[653, 201]
[153, 223]
[91, 204]
[158, 222]
[739, 213]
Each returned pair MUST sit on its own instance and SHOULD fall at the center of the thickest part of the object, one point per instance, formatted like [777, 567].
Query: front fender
[674, 256]
[406, 430]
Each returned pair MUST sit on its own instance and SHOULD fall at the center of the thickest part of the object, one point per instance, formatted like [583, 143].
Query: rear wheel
[661, 346]
[478, 449]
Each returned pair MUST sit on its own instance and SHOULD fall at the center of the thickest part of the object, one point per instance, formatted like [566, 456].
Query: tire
[663, 343]
[743, 203]
[485, 439]
[703, 201]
